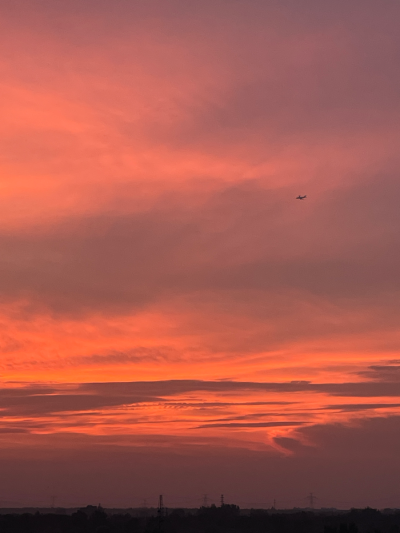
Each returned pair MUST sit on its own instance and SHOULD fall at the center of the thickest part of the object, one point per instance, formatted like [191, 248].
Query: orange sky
[161, 287]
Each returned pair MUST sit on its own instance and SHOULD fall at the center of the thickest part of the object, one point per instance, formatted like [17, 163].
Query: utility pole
[160, 512]
[160, 509]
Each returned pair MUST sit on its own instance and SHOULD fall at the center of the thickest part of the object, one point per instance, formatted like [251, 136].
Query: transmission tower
[311, 498]
[222, 500]
[205, 500]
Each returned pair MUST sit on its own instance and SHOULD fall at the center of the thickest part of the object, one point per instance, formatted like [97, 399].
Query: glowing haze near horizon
[172, 320]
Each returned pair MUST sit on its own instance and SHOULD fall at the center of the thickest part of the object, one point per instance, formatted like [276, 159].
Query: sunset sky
[172, 320]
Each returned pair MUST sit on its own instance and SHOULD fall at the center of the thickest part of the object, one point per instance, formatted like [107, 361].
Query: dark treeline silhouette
[224, 519]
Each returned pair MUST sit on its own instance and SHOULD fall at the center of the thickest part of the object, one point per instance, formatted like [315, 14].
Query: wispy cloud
[252, 424]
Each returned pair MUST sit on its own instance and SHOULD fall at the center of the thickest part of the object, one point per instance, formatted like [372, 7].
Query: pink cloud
[149, 233]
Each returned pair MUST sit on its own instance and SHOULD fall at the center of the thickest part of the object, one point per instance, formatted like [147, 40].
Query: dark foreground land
[225, 519]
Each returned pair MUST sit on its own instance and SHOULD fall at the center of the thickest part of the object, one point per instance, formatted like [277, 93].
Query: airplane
[301, 197]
